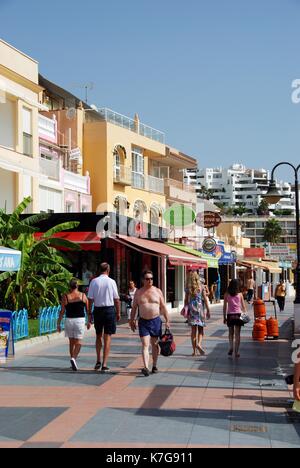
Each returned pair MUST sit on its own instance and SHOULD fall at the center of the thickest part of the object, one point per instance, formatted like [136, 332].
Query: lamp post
[272, 197]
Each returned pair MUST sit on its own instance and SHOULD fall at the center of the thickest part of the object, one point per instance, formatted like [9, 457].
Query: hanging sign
[6, 335]
[209, 245]
[208, 219]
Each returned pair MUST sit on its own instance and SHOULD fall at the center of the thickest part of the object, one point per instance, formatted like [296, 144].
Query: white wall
[7, 190]
[50, 199]
[7, 124]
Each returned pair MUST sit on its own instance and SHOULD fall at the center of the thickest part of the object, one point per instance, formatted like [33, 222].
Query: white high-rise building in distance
[239, 186]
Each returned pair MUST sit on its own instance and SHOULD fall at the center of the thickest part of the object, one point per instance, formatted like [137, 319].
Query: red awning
[86, 240]
[175, 257]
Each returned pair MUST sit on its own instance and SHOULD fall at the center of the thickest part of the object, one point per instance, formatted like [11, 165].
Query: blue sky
[214, 75]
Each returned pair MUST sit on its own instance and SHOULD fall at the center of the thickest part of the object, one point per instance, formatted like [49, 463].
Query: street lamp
[272, 197]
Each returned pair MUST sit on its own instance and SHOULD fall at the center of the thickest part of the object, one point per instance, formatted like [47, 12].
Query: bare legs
[197, 334]
[234, 340]
[106, 351]
[146, 341]
[75, 347]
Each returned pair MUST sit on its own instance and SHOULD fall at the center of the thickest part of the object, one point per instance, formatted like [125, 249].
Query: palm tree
[43, 275]
[273, 231]
[206, 194]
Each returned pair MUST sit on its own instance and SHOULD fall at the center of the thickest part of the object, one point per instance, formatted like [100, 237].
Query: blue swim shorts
[151, 327]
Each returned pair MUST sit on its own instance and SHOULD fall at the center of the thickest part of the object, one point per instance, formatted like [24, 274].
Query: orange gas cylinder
[259, 330]
[259, 309]
[273, 327]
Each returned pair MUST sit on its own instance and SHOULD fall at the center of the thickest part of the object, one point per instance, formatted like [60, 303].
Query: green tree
[207, 194]
[43, 275]
[273, 231]
[240, 210]
[263, 209]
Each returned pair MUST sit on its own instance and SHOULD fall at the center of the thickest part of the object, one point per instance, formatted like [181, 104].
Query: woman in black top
[74, 306]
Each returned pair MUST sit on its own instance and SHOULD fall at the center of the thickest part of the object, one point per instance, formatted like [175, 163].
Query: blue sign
[224, 258]
[6, 335]
[10, 260]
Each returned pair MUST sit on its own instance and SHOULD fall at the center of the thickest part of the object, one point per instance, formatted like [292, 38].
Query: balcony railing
[122, 175]
[148, 183]
[76, 182]
[132, 125]
[47, 128]
[50, 168]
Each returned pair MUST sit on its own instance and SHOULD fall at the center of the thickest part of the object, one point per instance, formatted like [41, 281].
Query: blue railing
[20, 324]
[48, 317]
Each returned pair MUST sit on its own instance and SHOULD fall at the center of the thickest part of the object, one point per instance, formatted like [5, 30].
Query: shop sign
[209, 245]
[254, 253]
[208, 219]
[6, 335]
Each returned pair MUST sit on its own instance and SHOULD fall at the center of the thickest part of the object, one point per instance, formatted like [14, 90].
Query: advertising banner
[6, 335]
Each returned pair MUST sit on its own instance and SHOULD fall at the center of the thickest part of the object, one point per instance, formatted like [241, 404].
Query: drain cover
[249, 429]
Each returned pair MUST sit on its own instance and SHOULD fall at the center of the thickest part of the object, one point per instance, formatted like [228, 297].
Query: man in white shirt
[103, 293]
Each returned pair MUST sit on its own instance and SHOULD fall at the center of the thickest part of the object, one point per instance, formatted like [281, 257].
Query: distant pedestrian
[250, 289]
[150, 302]
[198, 311]
[297, 381]
[131, 293]
[103, 293]
[234, 305]
[280, 294]
[74, 305]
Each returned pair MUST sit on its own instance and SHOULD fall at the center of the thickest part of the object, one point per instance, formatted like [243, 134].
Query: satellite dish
[71, 113]
[95, 108]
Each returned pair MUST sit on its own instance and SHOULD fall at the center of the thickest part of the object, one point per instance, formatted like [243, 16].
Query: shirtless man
[251, 287]
[151, 304]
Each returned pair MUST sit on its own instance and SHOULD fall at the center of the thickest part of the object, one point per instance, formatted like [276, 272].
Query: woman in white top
[131, 293]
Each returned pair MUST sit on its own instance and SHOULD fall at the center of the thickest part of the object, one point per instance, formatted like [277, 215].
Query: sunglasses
[149, 279]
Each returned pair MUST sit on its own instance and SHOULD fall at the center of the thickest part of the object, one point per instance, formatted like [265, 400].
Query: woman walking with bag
[234, 305]
[195, 296]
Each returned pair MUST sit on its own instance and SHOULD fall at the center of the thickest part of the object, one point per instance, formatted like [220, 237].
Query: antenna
[87, 86]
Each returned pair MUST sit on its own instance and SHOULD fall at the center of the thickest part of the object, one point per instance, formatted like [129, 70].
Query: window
[27, 132]
[69, 207]
[138, 168]
[8, 124]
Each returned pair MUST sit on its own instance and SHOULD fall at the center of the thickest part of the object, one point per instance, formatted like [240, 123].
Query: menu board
[6, 335]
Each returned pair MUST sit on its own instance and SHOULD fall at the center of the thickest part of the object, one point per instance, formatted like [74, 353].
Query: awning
[174, 256]
[211, 261]
[86, 240]
[10, 260]
[271, 267]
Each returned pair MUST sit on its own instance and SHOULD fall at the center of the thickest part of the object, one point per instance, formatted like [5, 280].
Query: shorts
[105, 319]
[151, 327]
[234, 320]
[75, 328]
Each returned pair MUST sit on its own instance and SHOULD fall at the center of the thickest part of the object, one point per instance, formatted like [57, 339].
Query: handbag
[167, 344]
[245, 318]
[185, 312]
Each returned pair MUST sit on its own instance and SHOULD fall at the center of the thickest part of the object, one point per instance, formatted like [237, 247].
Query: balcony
[148, 183]
[76, 182]
[179, 191]
[122, 175]
[47, 129]
[50, 168]
[133, 125]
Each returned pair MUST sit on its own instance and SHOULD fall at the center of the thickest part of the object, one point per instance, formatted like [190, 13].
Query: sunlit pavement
[193, 401]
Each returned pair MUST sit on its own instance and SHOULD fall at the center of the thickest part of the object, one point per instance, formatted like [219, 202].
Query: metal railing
[48, 317]
[132, 125]
[148, 183]
[48, 128]
[20, 324]
[180, 185]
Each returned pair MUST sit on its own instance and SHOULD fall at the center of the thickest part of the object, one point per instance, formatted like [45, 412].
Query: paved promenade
[193, 401]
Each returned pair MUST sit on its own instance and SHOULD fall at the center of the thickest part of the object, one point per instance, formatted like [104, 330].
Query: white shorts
[75, 328]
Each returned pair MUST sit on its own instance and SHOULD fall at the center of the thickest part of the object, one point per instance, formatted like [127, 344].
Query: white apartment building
[239, 186]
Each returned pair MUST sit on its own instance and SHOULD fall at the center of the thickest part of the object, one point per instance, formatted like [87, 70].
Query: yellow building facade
[121, 162]
[19, 143]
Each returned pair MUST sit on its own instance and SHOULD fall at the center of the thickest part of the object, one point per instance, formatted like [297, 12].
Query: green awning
[211, 261]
